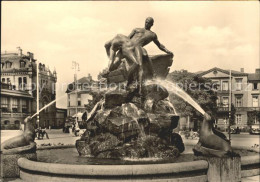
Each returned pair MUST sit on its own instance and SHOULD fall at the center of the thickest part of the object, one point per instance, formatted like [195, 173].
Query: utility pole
[230, 100]
[75, 66]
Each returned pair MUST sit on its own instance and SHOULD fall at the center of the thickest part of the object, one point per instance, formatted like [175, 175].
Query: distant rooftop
[251, 76]
[233, 72]
[254, 77]
[85, 81]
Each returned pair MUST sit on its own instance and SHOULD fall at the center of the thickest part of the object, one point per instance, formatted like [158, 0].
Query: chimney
[30, 55]
[20, 51]
[89, 76]
[242, 70]
[257, 71]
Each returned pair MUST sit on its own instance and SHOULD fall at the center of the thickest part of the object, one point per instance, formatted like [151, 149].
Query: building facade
[78, 97]
[19, 72]
[245, 91]
[16, 105]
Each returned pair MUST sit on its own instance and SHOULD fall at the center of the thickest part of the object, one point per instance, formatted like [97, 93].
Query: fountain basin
[180, 171]
[40, 171]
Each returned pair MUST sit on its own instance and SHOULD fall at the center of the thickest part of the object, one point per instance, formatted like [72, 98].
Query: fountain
[130, 131]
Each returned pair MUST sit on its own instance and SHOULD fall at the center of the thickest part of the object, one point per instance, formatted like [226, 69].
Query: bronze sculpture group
[131, 48]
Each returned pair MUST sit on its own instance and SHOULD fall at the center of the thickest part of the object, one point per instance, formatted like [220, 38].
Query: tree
[96, 97]
[233, 111]
[199, 88]
[101, 73]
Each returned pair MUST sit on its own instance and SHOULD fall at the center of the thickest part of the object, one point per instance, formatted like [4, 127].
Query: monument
[134, 119]
[137, 120]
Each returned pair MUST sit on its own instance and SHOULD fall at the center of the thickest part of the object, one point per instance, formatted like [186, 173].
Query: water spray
[175, 89]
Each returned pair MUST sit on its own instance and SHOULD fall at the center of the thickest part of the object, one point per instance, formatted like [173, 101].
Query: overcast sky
[202, 35]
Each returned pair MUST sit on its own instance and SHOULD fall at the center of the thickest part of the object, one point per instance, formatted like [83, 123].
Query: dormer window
[8, 64]
[22, 64]
[254, 86]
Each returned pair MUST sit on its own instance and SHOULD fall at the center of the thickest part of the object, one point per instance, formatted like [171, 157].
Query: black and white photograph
[163, 91]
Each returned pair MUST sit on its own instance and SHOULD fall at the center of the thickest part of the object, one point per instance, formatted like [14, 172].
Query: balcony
[226, 109]
[11, 115]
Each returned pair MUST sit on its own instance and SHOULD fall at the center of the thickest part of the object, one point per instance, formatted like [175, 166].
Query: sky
[201, 34]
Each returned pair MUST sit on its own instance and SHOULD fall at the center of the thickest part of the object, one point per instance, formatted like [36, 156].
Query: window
[14, 105]
[20, 82]
[225, 85]
[238, 84]
[4, 104]
[216, 85]
[24, 106]
[8, 80]
[255, 100]
[8, 64]
[17, 122]
[254, 86]
[24, 83]
[238, 118]
[218, 101]
[3, 80]
[6, 122]
[239, 101]
[22, 64]
[3, 64]
[225, 101]
[79, 103]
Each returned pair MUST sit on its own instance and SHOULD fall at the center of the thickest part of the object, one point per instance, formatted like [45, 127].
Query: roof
[254, 77]
[14, 57]
[233, 72]
[86, 81]
[16, 93]
[198, 72]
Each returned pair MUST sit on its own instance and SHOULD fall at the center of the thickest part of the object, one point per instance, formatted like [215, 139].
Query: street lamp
[75, 66]
[37, 95]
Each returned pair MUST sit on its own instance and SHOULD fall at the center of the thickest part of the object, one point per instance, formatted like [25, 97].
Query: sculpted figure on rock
[23, 142]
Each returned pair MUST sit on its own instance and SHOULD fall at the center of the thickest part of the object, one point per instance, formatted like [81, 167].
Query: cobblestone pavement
[56, 136]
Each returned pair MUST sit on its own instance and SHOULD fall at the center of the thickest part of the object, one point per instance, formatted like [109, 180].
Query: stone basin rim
[121, 170]
[112, 170]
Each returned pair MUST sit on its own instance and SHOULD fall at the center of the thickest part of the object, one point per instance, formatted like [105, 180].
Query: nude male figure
[143, 36]
[139, 37]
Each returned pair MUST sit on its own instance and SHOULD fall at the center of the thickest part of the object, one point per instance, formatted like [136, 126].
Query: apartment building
[18, 71]
[245, 91]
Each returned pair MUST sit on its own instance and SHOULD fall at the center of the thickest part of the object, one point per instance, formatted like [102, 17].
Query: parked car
[254, 129]
[234, 130]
